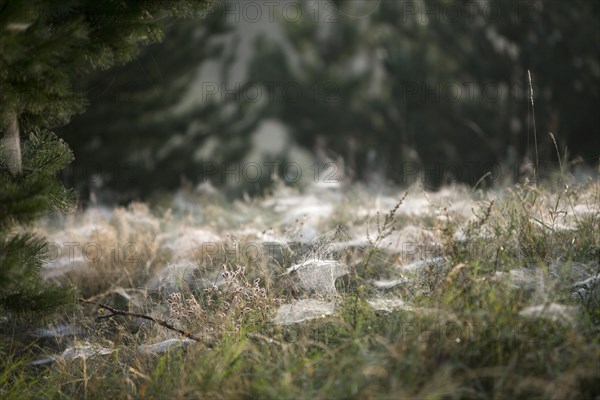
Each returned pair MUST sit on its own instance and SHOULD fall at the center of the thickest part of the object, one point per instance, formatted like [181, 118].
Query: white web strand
[318, 269]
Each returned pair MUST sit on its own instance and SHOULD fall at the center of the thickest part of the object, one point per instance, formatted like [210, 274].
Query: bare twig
[114, 312]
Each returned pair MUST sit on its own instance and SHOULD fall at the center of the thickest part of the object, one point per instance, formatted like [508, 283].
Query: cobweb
[316, 267]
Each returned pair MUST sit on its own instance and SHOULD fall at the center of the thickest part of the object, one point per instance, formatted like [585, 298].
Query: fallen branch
[128, 314]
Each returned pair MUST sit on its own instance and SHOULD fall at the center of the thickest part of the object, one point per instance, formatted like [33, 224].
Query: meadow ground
[326, 293]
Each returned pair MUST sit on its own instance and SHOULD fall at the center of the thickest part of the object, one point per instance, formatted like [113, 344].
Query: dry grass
[456, 328]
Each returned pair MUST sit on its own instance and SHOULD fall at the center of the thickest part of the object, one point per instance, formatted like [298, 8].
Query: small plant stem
[537, 163]
[157, 321]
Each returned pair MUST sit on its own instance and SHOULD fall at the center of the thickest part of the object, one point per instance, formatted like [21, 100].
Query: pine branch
[160, 322]
[26, 169]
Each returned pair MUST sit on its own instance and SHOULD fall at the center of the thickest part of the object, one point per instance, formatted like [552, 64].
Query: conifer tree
[45, 47]
[435, 86]
[156, 114]
[23, 198]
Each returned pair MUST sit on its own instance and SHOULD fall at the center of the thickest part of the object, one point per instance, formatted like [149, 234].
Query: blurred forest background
[435, 90]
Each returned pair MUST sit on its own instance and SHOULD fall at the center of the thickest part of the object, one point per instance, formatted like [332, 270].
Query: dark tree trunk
[12, 145]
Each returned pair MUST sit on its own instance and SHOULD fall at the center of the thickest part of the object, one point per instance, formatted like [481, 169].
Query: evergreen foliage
[428, 89]
[425, 85]
[22, 199]
[45, 47]
[139, 107]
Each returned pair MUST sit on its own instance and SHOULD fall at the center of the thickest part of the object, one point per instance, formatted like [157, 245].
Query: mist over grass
[339, 292]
